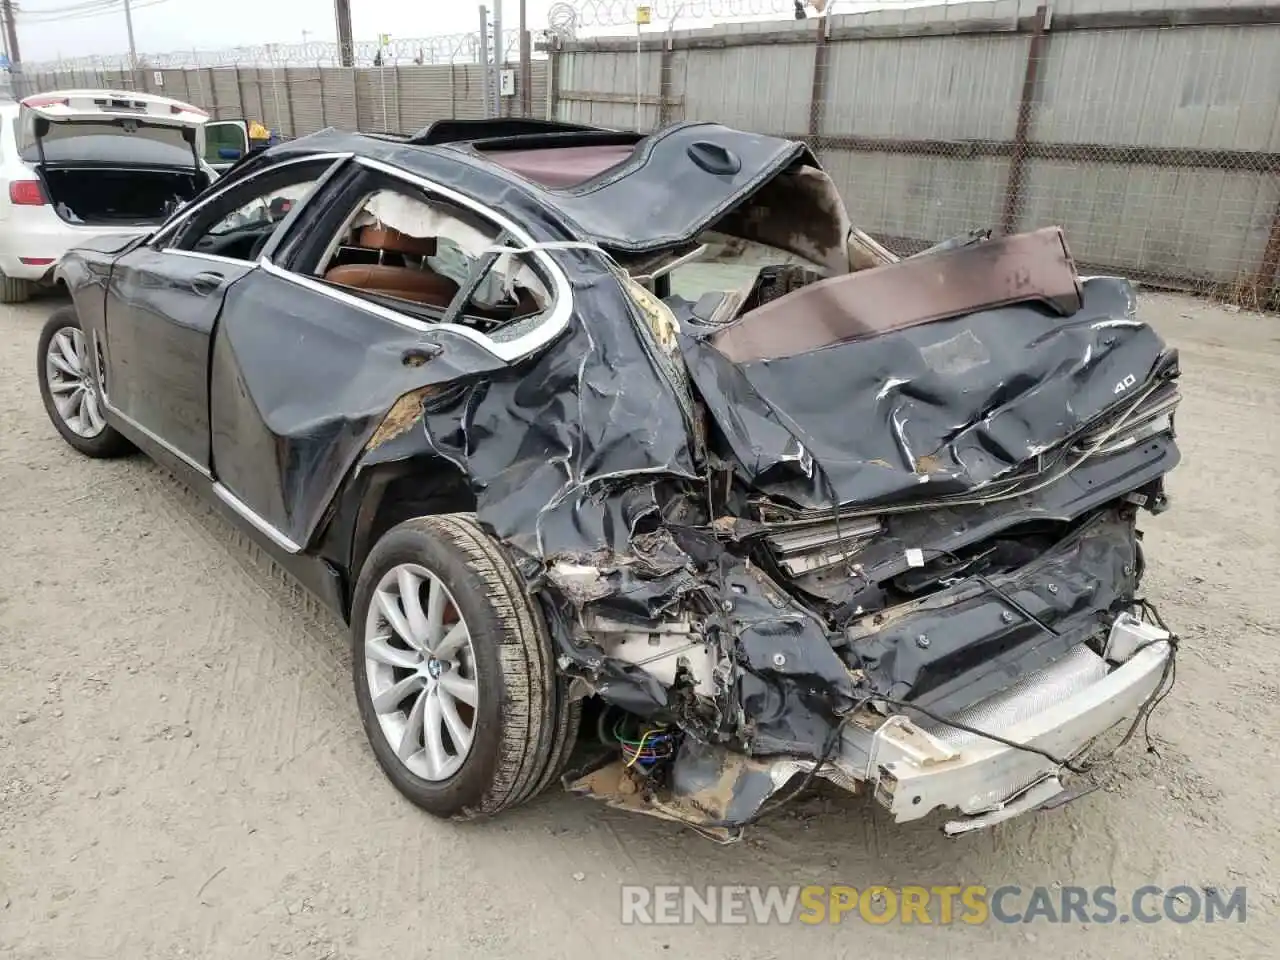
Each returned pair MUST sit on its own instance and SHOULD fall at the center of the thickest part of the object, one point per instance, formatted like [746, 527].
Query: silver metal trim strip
[156, 438]
[242, 508]
[182, 215]
[508, 351]
[350, 300]
[212, 257]
[223, 494]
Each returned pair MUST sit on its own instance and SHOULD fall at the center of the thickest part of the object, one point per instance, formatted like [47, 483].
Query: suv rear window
[109, 148]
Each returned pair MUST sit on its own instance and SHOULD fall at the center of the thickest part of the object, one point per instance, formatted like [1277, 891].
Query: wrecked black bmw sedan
[569, 422]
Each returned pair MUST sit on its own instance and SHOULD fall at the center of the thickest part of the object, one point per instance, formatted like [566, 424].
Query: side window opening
[432, 260]
[240, 223]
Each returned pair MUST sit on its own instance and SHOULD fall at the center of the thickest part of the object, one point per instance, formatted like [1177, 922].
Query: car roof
[626, 191]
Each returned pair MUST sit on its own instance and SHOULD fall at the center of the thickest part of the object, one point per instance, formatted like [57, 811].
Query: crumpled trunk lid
[925, 410]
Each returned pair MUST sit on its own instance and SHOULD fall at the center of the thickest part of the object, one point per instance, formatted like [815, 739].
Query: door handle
[206, 283]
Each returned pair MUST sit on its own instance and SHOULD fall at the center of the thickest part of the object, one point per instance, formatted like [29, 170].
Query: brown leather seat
[377, 237]
[407, 283]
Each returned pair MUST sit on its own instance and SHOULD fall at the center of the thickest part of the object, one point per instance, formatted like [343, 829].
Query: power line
[83, 11]
[69, 8]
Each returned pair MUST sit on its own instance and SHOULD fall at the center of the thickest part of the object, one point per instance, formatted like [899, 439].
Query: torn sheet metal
[767, 534]
[1025, 268]
[926, 412]
[975, 629]
[638, 472]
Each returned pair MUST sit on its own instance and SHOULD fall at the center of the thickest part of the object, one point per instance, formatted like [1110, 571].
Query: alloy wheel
[421, 671]
[71, 384]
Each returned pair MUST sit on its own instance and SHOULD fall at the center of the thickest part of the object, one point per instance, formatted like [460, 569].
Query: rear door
[306, 367]
[164, 299]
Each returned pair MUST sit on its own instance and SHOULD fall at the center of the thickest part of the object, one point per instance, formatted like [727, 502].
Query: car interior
[395, 249]
[416, 257]
[244, 232]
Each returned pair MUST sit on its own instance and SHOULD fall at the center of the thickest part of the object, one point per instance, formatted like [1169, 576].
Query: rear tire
[104, 442]
[15, 290]
[517, 735]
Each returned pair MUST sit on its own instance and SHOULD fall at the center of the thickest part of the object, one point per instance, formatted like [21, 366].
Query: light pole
[133, 50]
[346, 46]
[499, 54]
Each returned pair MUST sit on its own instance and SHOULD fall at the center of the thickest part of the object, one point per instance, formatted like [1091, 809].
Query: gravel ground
[182, 772]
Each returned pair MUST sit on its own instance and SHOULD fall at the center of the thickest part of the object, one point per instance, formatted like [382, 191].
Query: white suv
[82, 163]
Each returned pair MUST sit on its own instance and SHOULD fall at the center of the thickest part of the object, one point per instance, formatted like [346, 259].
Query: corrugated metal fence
[1150, 131]
[296, 101]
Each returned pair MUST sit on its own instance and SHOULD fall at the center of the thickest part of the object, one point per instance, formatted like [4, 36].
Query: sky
[50, 29]
[47, 29]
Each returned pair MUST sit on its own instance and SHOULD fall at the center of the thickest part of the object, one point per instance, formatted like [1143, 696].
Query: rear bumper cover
[45, 240]
[915, 768]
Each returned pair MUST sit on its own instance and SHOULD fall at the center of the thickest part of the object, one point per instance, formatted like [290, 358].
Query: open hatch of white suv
[88, 162]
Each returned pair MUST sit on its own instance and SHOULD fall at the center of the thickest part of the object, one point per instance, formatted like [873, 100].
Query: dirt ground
[182, 772]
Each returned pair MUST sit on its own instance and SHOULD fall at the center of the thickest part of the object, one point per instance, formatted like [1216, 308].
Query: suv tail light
[27, 193]
[46, 101]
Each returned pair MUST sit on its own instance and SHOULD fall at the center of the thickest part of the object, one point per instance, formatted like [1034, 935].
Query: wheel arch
[381, 493]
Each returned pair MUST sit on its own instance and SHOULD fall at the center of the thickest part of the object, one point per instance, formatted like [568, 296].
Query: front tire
[70, 390]
[454, 673]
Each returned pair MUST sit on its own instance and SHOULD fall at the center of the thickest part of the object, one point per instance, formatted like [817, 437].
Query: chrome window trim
[350, 300]
[222, 493]
[286, 225]
[211, 257]
[508, 351]
[335, 244]
[164, 234]
[556, 320]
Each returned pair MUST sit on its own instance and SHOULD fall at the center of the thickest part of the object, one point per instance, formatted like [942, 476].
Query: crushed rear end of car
[843, 515]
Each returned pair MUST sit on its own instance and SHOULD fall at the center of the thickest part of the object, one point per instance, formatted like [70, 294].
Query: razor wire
[567, 18]
[618, 13]
[409, 51]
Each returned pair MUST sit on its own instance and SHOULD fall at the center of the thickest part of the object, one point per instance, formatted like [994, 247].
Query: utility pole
[486, 74]
[10, 32]
[499, 56]
[346, 46]
[526, 67]
[128, 23]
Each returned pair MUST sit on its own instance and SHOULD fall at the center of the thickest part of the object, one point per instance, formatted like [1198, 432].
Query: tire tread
[539, 724]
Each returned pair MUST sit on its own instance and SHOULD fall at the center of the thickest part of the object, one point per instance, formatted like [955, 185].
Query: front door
[165, 298]
[161, 309]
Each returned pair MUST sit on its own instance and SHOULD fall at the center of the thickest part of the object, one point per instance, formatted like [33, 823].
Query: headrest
[374, 237]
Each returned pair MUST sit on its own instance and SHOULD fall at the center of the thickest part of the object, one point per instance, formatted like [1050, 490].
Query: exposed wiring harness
[654, 745]
[642, 752]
